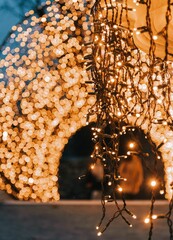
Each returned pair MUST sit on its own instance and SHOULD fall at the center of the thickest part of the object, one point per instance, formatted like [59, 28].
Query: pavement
[75, 220]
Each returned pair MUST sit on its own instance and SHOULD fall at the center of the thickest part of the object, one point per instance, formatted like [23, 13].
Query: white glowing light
[147, 220]
[120, 189]
[153, 183]
[99, 234]
[155, 37]
[109, 183]
[131, 145]
[5, 136]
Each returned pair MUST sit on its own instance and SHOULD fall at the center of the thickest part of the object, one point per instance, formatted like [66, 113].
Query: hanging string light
[133, 88]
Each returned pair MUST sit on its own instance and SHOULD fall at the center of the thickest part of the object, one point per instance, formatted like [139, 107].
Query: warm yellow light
[162, 192]
[154, 216]
[109, 183]
[153, 183]
[155, 37]
[99, 234]
[92, 166]
[146, 220]
[120, 189]
[132, 145]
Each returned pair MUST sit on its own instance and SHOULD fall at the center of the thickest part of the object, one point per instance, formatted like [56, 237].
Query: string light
[132, 84]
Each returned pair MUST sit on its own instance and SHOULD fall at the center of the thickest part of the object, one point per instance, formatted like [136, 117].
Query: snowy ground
[73, 221]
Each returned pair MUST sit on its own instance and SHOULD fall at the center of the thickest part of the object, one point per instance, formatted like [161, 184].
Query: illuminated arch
[43, 97]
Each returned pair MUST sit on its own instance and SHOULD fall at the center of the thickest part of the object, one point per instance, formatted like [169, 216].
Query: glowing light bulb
[119, 114]
[109, 183]
[154, 216]
[131, 145]
[99, 234]
[161, 192]
[5, 136]
[155, 37]
[153, 183]
[97, 227]
[120, 189]
[92, 166]
[43, 19]
[119, 64]
[138, 115]
[134, 216]
[146, 220]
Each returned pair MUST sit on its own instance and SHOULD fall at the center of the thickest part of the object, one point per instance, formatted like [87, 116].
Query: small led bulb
[147, 220]
[153, 183]
[99, 234]
[92, 166]
[120, 189]
[131, 145]
[161, 191]
[109, 183]
[155, 37]
[154, 216]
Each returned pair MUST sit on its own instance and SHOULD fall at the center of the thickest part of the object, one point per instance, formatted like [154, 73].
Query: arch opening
[139, 168]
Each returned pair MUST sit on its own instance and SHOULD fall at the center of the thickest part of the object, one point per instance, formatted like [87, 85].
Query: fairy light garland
[133, 89]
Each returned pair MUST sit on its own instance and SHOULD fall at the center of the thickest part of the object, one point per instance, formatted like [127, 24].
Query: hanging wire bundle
[133, 90]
